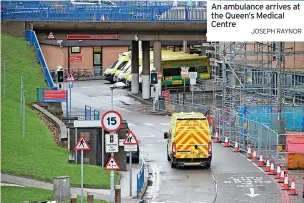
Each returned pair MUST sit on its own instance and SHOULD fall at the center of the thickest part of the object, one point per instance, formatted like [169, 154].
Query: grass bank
[36, 155]
[20, 194]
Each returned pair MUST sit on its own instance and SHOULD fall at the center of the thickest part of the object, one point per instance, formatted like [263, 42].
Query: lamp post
[112, 87]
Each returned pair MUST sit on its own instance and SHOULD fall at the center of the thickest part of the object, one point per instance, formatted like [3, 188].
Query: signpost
[81, 145]
[70, 79]
[184, 74]
[56, 96]
[193, 76]
[111, 121]
[130, 144]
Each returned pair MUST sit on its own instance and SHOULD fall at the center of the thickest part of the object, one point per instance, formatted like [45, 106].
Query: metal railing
[90, 114]
[247, 132]
[80, 74]
[39, 93]
[49, 11]
[140, 179]
[31, 37]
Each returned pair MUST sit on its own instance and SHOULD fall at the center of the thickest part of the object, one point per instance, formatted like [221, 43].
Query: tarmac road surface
[231, 178]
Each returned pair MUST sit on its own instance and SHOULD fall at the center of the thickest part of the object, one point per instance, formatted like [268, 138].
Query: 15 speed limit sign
[111, 121]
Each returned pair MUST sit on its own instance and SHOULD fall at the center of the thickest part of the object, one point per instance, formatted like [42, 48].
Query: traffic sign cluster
[111, 121]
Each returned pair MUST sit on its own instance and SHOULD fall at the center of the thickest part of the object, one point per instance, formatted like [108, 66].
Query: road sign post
[130, 145]
[81, 145]
[70, 80]
[111, 121]
[184, 74]
[193, 76]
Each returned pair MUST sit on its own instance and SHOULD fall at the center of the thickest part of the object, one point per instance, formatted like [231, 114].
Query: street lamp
[115, 86]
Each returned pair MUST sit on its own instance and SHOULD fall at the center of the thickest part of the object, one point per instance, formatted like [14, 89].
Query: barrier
[246, 131]
[140, 179]
[90, 114]
[31, 37]
[56, 11]
[39, 93]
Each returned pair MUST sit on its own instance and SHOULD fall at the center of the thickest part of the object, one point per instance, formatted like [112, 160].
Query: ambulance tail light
[173, 148]
[210, 148]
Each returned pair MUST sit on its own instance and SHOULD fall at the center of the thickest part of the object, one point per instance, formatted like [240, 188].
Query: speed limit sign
[111, 121]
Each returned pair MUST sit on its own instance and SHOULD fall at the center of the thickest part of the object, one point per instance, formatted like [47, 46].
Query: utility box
[295, 150]
[92, 131]
[61, 188]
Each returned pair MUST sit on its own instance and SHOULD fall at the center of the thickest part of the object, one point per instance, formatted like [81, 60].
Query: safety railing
[91, 114]
[87, 13]
[39, 93]
[140, 179]
[32, 38]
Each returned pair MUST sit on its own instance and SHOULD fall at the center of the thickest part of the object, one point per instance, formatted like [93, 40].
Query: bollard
[74, 199]
[90, 197]
[117, 194]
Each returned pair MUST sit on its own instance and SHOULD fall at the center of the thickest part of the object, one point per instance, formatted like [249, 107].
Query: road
[231, 178]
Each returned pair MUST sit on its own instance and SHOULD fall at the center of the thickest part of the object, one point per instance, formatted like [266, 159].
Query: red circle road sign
[111, 121]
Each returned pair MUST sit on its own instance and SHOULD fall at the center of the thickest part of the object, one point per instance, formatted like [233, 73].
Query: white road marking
[165, 124]
[156, 171]
[216, 185]
[148, 124]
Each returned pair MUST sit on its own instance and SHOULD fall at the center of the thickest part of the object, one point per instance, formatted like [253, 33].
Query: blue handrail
[31, 37]
[50, 11]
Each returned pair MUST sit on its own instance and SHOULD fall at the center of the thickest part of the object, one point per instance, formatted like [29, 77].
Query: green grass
[37, 155]
[20, 194]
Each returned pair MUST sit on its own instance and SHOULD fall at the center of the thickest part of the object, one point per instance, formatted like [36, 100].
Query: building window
[75, 50]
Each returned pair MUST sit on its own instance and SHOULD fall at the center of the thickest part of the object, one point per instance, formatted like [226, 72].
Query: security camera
[136, 37]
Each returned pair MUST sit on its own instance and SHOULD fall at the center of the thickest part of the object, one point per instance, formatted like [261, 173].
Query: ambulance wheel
[208, 165]
[173, 165]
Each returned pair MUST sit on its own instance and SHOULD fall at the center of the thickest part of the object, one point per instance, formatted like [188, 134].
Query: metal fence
[39, 93]
[91, 114]
[49, 11]
[80, 74]
[140, 179]
[247, 132]
[31, 37]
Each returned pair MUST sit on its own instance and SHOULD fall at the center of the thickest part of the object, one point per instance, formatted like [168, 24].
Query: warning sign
[71, 78]
[112, 164]
[131, 139]
[51, 36]
[82, 144]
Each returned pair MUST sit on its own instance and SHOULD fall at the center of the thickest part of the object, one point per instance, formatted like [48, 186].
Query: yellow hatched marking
[185, 137]
[183, 147]
[200, 138]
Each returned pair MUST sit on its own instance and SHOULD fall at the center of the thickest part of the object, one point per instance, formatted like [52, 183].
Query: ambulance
[189, 140]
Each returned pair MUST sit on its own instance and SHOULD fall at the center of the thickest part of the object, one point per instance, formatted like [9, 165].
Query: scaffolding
[260, 99]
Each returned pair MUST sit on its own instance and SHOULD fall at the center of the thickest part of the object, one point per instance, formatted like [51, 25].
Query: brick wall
[87, 59]
[55, 56]
[110, 55]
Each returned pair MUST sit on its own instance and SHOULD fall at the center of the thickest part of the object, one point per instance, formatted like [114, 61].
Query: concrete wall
[13, 28]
